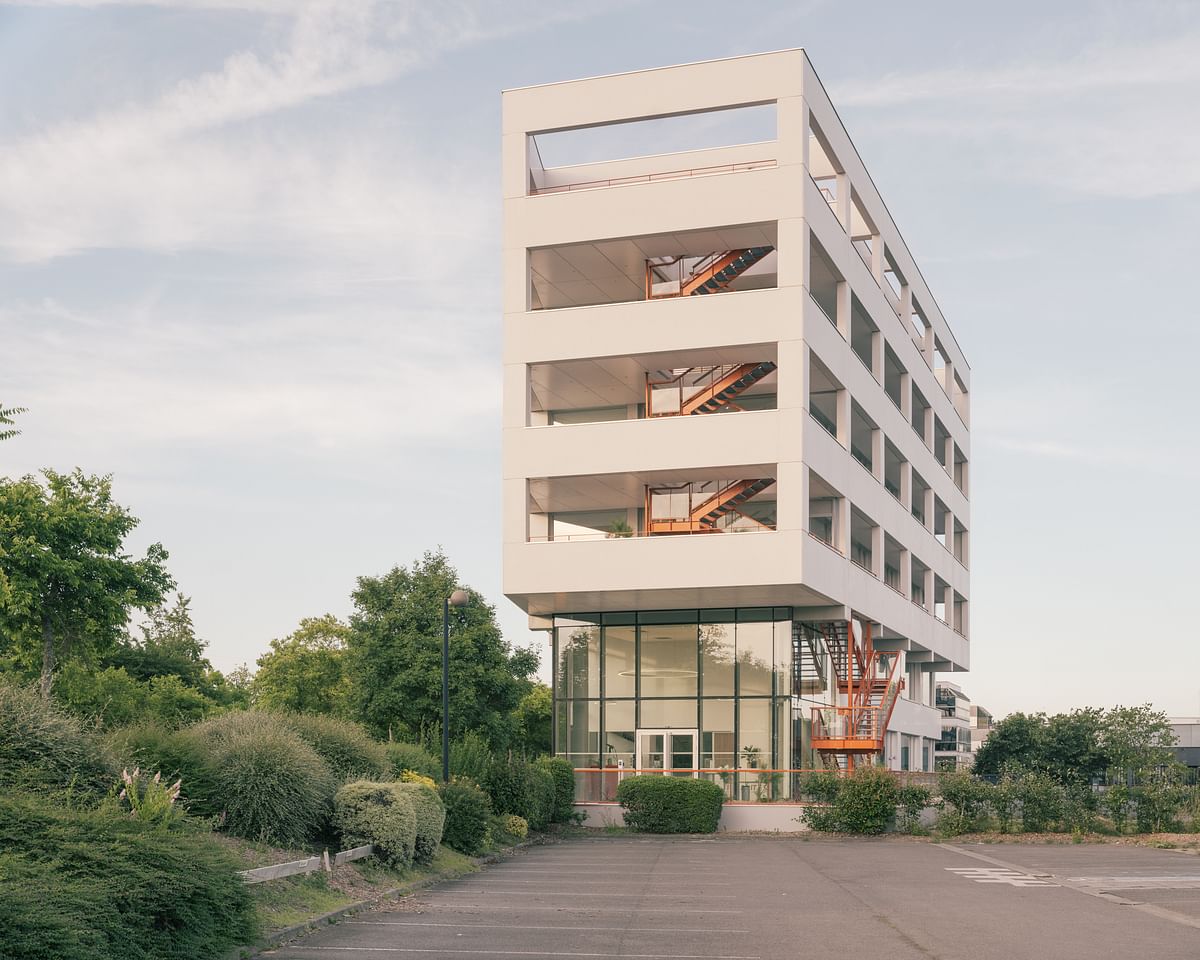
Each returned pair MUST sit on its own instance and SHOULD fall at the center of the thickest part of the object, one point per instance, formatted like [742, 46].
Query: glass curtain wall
[708, 693]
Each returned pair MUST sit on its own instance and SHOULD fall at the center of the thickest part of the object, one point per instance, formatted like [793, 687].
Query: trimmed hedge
[564, 787]
[380, 813]
[660, 804]
[350, 751]
[431, 819]
[45, 749]
[98, 885]
[409, 756]
[526, 789]
[468, 813]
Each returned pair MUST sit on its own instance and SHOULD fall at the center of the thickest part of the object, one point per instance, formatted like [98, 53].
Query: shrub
[1157, 805]
[1041, 801]
[98, 885]
[44, 749]
[1002, 798]
[265, 782]
[525, 789]
[151, 799]
[177, 756]
[911, 801]
[468, 811]
[431, 818]
[347, 747]
[411, 776]
[866, 803]
[564, 787]
[1117, 802]
[658, 804]
[470, 757]
[380, 813]
[515, 826]
[821, 787]
[409, 756]
[966, 798]
[1079, 807]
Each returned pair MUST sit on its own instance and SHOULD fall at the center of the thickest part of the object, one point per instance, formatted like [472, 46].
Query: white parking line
[591, 883]
[534, 953]
[526, 926]
[1141, 882]
[999, 875]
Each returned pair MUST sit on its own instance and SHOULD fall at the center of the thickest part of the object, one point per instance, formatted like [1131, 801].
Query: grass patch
[294, 900]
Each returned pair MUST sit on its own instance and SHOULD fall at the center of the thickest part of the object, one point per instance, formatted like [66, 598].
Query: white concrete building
[955, 749]
[735, 432]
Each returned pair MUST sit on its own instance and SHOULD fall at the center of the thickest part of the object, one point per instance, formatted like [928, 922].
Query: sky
[250, 255]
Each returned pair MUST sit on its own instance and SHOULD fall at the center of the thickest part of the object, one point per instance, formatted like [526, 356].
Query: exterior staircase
[721, 271]
[868, 683]
[726, 385]
[703, 518]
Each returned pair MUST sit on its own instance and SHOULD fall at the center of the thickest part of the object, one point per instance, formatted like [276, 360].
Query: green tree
[1138, 741]
[533, 719]
[70, 583]
[306, 670]
[7, 421]
[168, 647]
[1071, 749]
[1014, 743]
[395, 656]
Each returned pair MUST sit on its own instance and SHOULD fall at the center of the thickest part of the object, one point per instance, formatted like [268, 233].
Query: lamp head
[459, 598]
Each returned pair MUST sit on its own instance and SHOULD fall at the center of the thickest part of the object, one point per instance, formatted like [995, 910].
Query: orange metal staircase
[703, 517]
[710, 274]
[869, 681]
[722, 390]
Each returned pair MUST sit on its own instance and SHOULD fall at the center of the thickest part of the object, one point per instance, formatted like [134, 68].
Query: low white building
[736, 437]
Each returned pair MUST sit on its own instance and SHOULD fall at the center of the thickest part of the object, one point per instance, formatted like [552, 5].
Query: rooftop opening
[690, 263]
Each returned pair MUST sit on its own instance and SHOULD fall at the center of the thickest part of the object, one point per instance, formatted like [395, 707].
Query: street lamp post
[458, 598]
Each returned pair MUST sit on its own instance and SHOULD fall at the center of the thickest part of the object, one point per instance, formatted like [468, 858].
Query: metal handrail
[653, 177]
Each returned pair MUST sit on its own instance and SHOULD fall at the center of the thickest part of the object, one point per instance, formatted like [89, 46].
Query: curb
[278, 937]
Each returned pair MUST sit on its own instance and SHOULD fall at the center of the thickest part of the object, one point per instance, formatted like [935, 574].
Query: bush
[1157, 805]
[821, 787]
[177, 756]
[659, 804]
[409, 756]
[1042, 801]
[97, 885]
[470, 757]
[514, 826]
[380, 813]
[564, 787]
[44, 749]
[1117, 802]
[468, 811]
[347, 747]
[1002, 798]
[966, 798]
[265, 782]
[411, 776]
[525, 789]
[864, 802]
[911, 801]
[431, 819]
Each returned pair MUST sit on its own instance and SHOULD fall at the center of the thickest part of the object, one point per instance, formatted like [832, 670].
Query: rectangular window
[668, 666]
[620, 661]
[717, 656]
[755, 656]
[578, 673]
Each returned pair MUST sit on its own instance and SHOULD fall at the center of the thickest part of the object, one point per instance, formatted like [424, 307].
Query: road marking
[1000, 875]
[430, 905]
[526, 926]
[532, 953]
[591, 883]
[458, 889]
[1141, 882]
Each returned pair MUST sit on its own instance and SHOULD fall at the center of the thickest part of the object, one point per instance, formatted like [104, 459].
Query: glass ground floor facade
[726, 695]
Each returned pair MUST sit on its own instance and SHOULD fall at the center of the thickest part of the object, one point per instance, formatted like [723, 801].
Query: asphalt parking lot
[752, 898]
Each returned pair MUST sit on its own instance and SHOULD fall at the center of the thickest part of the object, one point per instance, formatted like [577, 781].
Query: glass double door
[672, 752]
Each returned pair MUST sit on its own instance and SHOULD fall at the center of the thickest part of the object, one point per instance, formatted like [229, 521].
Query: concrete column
[844, 207]
[929, 590]
[843, 309]
[906, 395]
[906, 484]
[927, 427]
[841, 525]
[877, 454]
[929, 508]
[906, 573]
[949, 521]
[877, 551]
[877, 259]
[843, 417]
[877, 355]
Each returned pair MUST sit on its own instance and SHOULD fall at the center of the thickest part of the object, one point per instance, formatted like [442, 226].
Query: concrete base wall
[735, 817]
